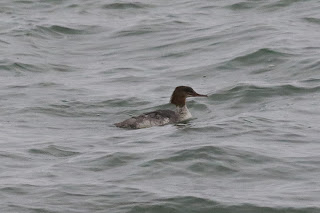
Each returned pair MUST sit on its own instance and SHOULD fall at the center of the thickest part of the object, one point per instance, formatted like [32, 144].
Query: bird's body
[162, 117]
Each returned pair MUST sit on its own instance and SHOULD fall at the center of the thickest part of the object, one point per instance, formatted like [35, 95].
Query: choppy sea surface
[69, 69]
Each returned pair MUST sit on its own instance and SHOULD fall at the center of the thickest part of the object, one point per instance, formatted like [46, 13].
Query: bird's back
[155, 118]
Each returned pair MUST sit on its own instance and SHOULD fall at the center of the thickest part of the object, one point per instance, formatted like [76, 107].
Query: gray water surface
[70, 69]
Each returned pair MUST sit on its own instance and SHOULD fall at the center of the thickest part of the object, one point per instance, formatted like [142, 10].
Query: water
[70, 69]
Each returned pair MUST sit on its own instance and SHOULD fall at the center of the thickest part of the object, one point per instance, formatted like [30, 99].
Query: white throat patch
[183, 113]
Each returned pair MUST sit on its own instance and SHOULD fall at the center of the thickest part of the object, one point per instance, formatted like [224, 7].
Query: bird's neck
[183, 112]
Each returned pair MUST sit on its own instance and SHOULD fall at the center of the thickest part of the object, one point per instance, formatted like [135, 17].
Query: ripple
[67, 108]
[126, 5]
[207, 160]
[134, 31]
[113, 160]
[242, 5]
[14, 156]
[129, 102]
[176, 204]
[311, 80]
[56, 151]
[131, 79]
[60, 110]
[3, 42]
[20, 67]
[312, 20]
[279, 4]
[261, 56]
[211, 168]
[15, 190]
[199, 204]
[59, 31]
[29, 208]
[252, 92]
[206, 152]
[36, 85]
[63, 30]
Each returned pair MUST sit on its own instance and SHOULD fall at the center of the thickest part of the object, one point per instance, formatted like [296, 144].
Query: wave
[59, 31]
[61, 110]
[259, 92]
[135, 31]
[156, 26]
[258, 57]
[36, 85]
[19, 67]
[205, 152]
[206, 160]
[312, 20]
[280, 4]
[108, 161]
[90, 109]
[14, 156]
[126, 5]
[16, 67]
[56, 151]
[242, 5]
[203, 205]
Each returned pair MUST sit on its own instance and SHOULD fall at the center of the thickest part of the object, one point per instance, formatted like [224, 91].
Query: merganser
[162, 117]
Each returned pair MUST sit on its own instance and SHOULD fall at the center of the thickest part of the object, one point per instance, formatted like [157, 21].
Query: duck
[163, 117]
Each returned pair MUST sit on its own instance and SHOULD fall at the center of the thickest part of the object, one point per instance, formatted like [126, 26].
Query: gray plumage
[155, 118]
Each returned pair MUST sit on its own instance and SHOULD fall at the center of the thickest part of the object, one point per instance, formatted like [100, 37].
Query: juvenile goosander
[162, 117]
